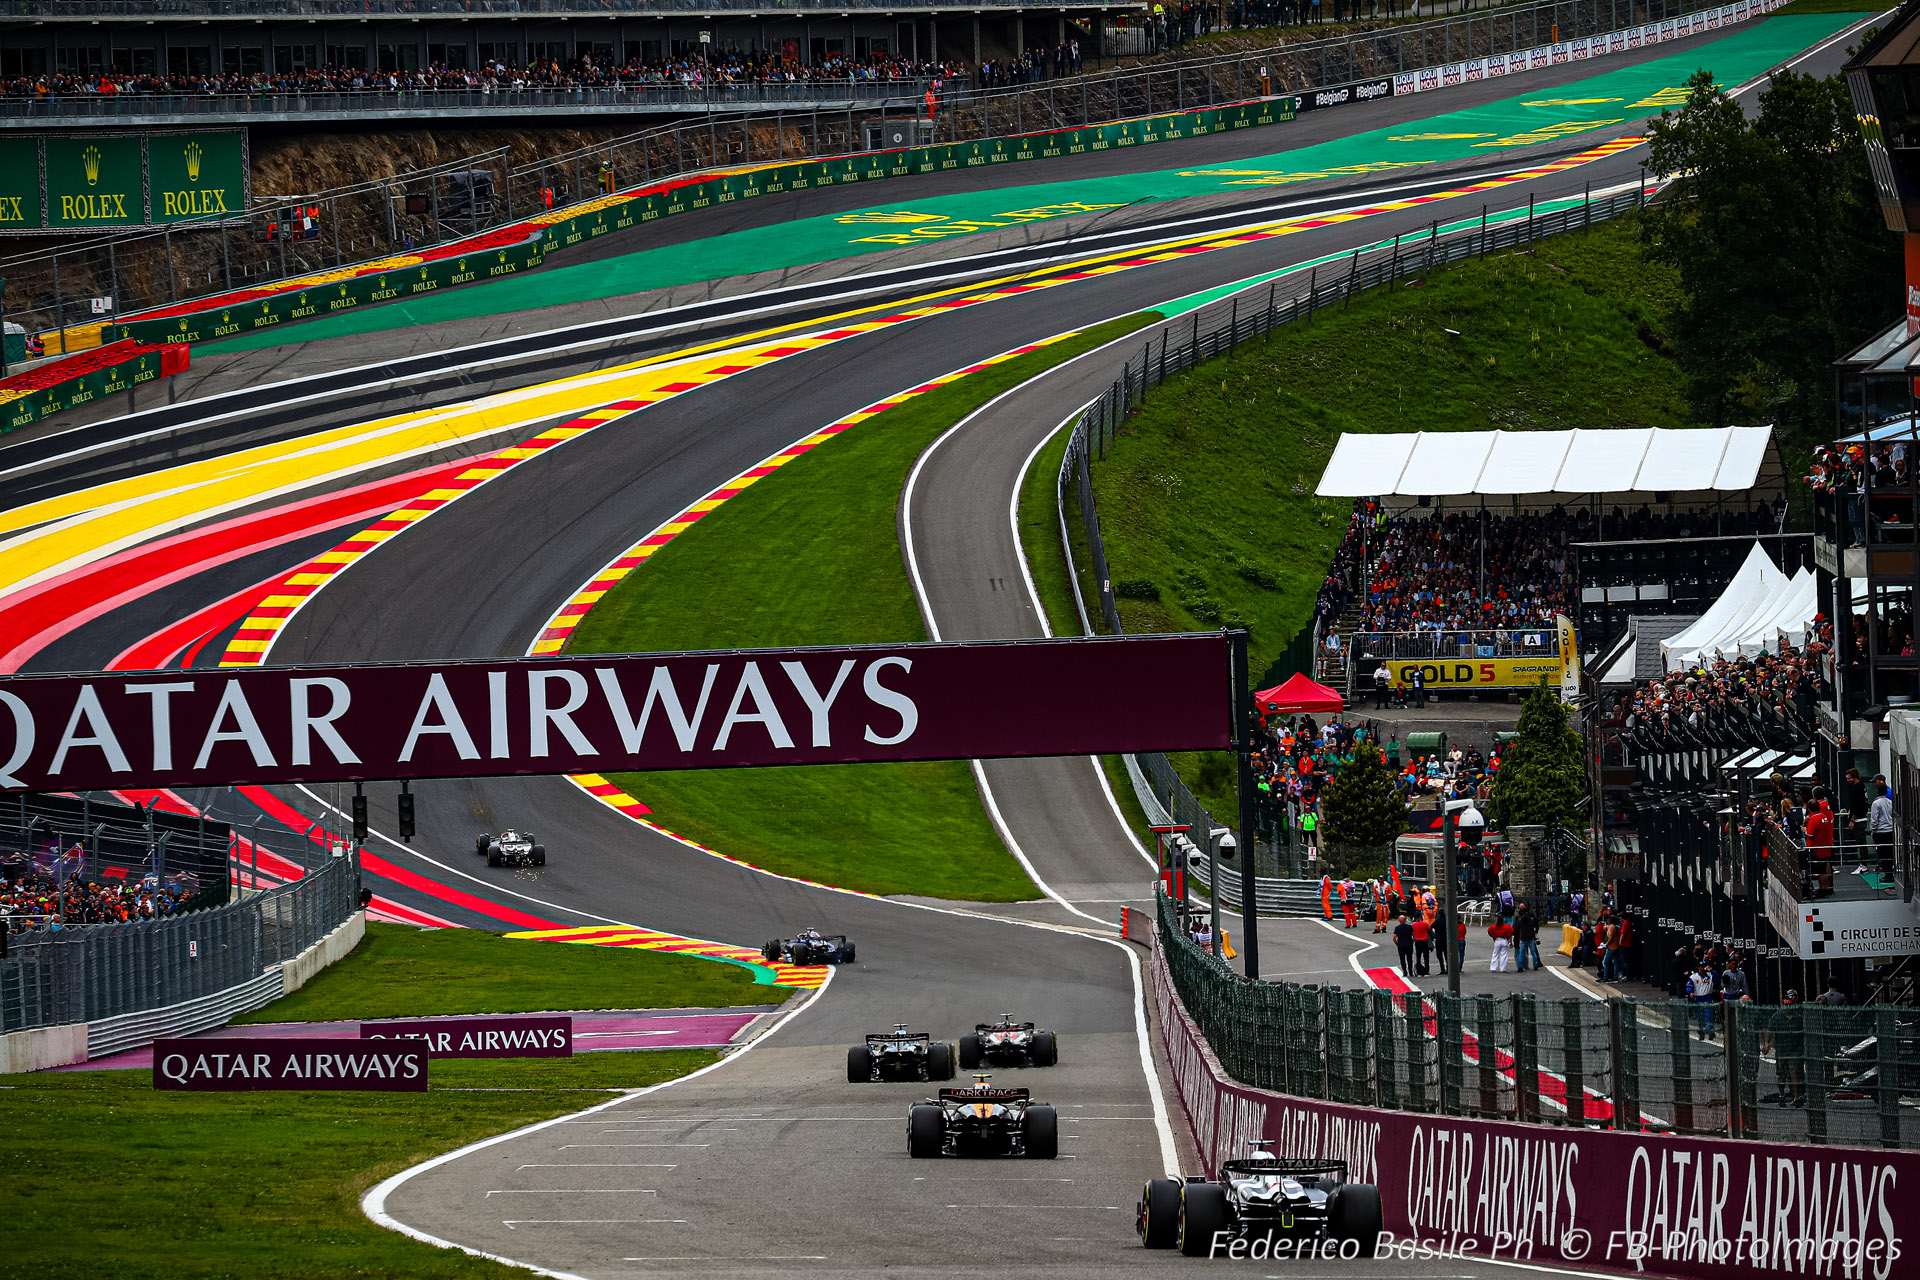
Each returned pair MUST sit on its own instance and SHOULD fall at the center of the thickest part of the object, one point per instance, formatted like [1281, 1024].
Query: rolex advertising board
[95, 181]
[112, 181]
[196, 175]
[20, 207]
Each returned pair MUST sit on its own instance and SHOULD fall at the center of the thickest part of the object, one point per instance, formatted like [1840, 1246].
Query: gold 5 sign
[1477, 673]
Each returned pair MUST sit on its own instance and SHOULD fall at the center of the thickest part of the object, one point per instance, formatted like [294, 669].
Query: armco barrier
[550, 233]
[102, 371]
[1692, 1207]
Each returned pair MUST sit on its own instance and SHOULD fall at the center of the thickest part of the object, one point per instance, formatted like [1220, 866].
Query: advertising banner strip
[117, 181]
[1547, 1197]
[723, 709]
[517, 1037]
[1477, 673]
[101, 372]
[226, 1066]
[523, 246]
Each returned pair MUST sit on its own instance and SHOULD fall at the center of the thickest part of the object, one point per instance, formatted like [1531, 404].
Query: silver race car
[899, 1054]
[1007, 1043]
[1262, 1198]
[510, 848]
[810, 946]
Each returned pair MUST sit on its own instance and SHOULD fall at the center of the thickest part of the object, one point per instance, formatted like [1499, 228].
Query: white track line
[1169, 1151]
[374, 1202]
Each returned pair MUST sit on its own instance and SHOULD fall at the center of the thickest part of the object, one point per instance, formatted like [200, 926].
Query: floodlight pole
[1243, 749]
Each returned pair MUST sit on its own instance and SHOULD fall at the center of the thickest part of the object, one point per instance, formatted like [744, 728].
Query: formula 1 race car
[810, 947]
[1007, 1043]
[981, 1120]
[1261, 1199]
[899, 1054]
[510, 848]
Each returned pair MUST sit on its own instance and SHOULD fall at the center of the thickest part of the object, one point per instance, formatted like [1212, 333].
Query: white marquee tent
[1512, 463]
[1759, 606]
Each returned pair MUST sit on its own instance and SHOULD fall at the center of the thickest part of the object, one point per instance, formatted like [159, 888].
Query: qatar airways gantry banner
[611, 712]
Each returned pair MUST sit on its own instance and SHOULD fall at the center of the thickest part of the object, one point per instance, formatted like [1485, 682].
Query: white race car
[510, 848]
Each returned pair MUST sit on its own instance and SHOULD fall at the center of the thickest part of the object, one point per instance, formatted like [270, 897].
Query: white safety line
[374, 1202]
[1353, 957]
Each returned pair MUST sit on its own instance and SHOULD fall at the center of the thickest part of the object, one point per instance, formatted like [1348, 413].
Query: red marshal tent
[1299, 693]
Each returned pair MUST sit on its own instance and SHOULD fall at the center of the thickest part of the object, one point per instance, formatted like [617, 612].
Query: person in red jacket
[1820, 842]
[1502, 934]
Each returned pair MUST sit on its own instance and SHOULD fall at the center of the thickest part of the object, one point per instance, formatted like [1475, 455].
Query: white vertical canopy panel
[1746, 453]
[1682, 460]
[1525, 462]
[1757, 579]
[1446, 462]
[1366, 466]
[1604, 461]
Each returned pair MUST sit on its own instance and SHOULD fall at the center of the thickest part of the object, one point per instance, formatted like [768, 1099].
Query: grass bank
[1206, 496]
[810, 555]
[104, 1176]
[401, 972]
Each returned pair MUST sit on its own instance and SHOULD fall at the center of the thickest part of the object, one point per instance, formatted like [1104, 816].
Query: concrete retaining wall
[296, 972]
[43, 1047]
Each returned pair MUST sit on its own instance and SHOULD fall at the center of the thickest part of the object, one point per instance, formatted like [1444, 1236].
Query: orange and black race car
[980, 1120]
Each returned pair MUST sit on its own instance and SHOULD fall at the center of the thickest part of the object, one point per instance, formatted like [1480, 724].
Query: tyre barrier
[102, 371]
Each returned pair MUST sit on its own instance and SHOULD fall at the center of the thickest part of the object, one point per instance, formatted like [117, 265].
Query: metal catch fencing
[1788, 1073]
[94, 972]
[283, 237]
[1248, 317]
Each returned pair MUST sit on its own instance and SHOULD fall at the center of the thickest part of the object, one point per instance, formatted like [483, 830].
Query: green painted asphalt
[1602, 107]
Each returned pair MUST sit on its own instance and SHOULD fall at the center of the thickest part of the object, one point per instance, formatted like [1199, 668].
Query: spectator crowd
[41, 900]
[718, 69]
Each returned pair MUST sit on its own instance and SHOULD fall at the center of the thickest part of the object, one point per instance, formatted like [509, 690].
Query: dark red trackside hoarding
[725, 709]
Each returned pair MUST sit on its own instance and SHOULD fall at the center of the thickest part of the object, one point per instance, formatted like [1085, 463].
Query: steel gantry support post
[1243, 752]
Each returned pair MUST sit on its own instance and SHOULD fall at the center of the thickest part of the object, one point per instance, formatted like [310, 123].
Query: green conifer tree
[1363, 813]
[1543, 777]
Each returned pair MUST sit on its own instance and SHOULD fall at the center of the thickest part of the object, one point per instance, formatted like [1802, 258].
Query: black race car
[1260, 1197]
[1007, 1043]
[510, 848]
[899, 1054]
[983, 1121]
[810, 946]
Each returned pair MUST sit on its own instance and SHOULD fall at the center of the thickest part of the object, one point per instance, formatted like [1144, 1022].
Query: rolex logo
[193, 154]
[91, 159]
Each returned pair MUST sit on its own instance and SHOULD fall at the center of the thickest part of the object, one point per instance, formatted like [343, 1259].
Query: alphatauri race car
[980, 1120]
[1007, 1043]
[809, 946]
[510, 848]
[899, 1054]
[1262, 1198]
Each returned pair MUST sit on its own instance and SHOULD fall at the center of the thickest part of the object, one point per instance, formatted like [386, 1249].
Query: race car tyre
[1160, 1213]
[846, 957]
[926, 1131]
[1041, 1129]
[493, 855]
[1353, 1213]
[539, 855]
[770, 952]
[859, 1064]
[939, 1061]
[969, 1052]
[1203, 1214]
[1046, 1049]
[480, 844]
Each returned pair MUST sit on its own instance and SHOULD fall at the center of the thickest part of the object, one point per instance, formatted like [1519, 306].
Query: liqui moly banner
[1552, 1197]
[223, 1066]
[622, 711]
[516, 1037]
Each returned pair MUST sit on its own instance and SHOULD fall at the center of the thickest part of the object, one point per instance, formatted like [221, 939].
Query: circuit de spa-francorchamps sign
[115, 181]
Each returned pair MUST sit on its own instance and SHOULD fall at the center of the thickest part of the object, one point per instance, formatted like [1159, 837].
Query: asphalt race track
[772, 1163]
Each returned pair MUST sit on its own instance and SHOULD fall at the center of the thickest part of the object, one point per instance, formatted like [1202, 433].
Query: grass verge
[398, 971]
[1206, 496]
[810, 555]
[107, 1177]
[1830, 6]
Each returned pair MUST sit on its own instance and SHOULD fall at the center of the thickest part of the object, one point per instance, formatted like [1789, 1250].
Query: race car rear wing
[895, 1037]
[985, 1095]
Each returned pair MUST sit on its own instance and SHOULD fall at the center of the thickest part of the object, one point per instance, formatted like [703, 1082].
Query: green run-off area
[1602, 107]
